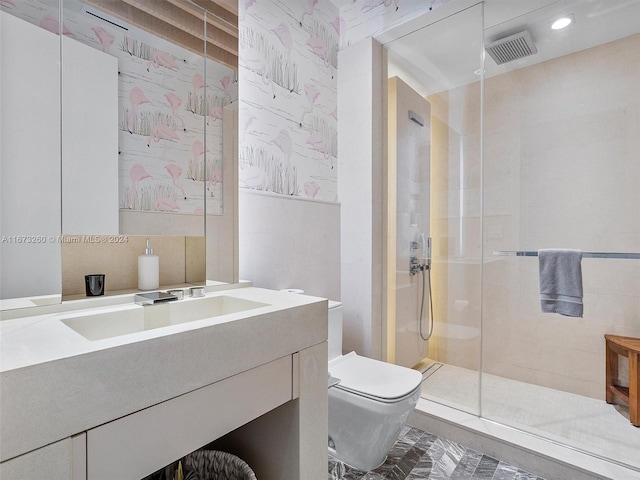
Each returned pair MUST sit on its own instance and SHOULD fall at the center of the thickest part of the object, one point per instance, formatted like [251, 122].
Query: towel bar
[525, 253]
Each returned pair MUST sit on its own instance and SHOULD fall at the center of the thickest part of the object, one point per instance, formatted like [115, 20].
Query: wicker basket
[217, 465]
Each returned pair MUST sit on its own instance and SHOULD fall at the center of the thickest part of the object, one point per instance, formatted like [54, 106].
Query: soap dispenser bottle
[148, 269]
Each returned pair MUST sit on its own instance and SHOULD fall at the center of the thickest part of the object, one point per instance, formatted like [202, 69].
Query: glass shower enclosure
[534, 135]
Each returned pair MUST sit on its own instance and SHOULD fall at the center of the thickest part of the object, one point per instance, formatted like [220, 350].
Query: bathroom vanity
[121, 390]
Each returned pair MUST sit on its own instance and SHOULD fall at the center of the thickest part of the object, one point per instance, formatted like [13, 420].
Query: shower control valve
[414, 265]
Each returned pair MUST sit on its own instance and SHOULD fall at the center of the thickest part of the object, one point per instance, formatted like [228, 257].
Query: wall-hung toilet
[370, 405]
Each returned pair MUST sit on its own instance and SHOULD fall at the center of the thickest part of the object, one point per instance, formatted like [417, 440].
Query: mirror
[30, 165]
[157, 106]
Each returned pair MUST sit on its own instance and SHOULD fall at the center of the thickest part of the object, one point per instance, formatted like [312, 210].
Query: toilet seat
[374, 379]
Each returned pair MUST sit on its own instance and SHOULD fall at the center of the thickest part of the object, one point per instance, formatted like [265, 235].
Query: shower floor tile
[420, 455]
[585, 423]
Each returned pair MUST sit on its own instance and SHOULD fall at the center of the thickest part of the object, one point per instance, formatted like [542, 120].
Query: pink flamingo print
[319, 144]
[284, 35]
[198, 83]
[252, 177]
[320, 48]
[136, 174]
[284, 144]
[7, 3]
[311, 189]
[226, 82]
[246, 119]
[334, 113]
[162, 59]
[197, 149]
[216, 114]
[165, 204]
[136, 98]
[162, 132]
[175, 102]
[308, 10]
[51, 24]
[198, 211]
[387, 3]
[215, 178]
[339, 24]
[254, 61]
[175, 171]
[370, 5]
[312, 96]
[104, 37]
[243, 7]
[247, 5]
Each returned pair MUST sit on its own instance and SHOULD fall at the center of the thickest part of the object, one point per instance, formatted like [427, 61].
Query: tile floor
[421, 455]
[585, 423]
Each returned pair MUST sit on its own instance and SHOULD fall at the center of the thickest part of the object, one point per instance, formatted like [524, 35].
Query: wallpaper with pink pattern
[360, 19]
[166, 104]
[288, 99]
[288, 61]
[288, 68]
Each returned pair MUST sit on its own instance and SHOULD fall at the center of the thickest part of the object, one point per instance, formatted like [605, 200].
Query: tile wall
[560, 171]
[409, 151]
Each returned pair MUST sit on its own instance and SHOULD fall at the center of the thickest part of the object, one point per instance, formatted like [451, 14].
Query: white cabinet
[39, 166]
[254, 384]
[139, 444]
[51, 462]
[290, 442]
[89, 140]
[273, 416]
[276, 413]
[29, 160]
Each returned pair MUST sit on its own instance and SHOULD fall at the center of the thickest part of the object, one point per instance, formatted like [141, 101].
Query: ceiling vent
[511, 48]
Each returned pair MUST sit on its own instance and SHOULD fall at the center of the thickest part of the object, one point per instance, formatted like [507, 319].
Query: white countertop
[56, 383]
[44, 338]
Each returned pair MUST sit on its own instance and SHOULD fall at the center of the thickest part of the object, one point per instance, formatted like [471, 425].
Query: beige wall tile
[560, 171]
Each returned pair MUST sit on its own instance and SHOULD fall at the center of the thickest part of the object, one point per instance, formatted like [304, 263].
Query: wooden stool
[629, 347]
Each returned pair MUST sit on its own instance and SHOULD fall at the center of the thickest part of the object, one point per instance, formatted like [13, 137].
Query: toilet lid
[374, 378]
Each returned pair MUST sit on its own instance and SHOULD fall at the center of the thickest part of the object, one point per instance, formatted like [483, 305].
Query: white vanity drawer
[141, 443]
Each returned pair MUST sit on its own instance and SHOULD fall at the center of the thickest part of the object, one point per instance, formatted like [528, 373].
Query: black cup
[94, 284]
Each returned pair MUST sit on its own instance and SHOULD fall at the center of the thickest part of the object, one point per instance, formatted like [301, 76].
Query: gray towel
[561, 281]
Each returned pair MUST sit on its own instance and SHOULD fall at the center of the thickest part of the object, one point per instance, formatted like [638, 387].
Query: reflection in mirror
[30, 163]
[181, 262]
[165, 128]
[170, 106]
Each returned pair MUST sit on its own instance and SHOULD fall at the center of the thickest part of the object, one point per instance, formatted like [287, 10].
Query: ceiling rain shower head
[511, 48]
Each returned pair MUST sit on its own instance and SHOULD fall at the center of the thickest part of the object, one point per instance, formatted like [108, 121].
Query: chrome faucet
[152, 298]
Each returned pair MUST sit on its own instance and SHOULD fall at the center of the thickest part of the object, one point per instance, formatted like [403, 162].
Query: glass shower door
[561, 136]
[437, 192]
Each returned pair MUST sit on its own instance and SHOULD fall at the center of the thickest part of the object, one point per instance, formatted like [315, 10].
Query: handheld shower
[426, 250]
[426, 265]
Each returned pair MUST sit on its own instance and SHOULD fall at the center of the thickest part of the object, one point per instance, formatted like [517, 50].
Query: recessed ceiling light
[561, 23]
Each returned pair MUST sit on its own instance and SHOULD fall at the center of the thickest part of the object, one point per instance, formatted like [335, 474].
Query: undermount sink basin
[138, 319]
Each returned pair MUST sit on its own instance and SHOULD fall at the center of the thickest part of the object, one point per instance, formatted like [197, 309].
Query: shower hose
[428, 269]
